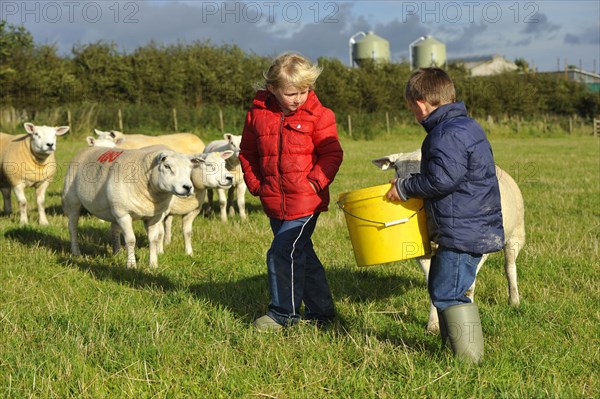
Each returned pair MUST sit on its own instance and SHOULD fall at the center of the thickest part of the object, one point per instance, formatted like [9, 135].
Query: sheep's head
[403, 163]
[43, 138]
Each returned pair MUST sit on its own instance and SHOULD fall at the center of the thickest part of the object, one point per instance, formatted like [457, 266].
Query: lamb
[120, 186]
[212, 173]
[28, 160]
[513, 219]
[185, 143]
[238, 189]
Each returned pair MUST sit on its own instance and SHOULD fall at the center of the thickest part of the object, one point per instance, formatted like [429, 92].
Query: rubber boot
[463, 327]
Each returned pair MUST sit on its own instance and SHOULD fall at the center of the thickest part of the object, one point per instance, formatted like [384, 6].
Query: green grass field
[87, 327]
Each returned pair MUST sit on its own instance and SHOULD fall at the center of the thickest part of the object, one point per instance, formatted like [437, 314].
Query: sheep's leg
[40, 194]
[471, 291]
[160, 245]
[126, 224]
[241, 199]
[155, 235]
[230, 195]
[209, 201]
[115, 232]
[73, 216]
[168, 227]
[511, 251]
[187, 222]
[7, 203]
[22, 200]
[433, 324]
[222, 203]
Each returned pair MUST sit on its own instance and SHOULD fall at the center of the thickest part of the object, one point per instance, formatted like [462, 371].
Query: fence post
[69, 120]
[570, 125]
[387, 122]
[349, 125]
[221, 123]
[175, 120]
[596, 127]
[120, 119]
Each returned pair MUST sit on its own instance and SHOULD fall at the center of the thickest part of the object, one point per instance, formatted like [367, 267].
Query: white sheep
[185, 143]
[238, 189]
[513, 220]
[28, 160]
[211, 173]
[121, 186]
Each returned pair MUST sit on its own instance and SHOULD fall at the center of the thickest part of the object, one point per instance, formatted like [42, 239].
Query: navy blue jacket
[458, 182]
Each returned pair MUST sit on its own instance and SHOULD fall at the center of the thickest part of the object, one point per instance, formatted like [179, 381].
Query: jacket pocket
[300, 133]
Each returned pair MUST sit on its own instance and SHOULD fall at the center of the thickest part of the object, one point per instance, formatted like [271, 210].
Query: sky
[547, 34]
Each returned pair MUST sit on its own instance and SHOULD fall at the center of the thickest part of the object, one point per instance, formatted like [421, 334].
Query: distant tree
[522, 65]
[104, 73]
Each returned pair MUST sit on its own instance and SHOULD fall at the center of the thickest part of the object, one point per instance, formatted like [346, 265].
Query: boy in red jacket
[290, 154]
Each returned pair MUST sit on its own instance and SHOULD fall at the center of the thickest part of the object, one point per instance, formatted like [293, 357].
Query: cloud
[589, 36]
[467, 39]
[539, 25]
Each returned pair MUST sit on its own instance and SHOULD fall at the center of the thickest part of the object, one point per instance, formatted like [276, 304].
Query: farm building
[590, 79]
[485, 65]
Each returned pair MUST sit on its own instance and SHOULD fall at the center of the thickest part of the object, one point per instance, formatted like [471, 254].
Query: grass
[87, 327]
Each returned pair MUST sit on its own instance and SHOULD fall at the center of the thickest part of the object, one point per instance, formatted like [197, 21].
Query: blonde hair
[292, 69]
[432, 85]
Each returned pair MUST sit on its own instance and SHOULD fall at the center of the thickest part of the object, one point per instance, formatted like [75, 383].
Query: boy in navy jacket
[458, 183]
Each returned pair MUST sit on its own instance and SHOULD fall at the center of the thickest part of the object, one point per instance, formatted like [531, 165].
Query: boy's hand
[393, 194]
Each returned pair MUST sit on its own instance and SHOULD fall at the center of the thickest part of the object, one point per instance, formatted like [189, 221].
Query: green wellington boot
[463, 327]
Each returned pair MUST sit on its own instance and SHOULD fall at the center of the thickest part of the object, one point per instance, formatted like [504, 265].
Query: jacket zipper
[279, 166]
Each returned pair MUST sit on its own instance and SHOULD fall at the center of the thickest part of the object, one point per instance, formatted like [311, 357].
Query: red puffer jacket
[280, 155]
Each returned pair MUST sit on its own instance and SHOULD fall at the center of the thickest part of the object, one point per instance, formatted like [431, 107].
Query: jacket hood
[442, 113]
[264, 99]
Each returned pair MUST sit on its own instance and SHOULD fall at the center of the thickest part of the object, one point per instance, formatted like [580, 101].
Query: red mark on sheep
[109, 156]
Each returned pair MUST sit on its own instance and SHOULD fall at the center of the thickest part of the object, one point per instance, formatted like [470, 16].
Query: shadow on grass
[96, 260]
[213, 211]
[98, 268]
[30, 235]
[248, 298]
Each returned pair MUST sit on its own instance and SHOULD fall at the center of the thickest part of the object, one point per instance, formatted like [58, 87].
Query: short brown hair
[292, 69]
[432, 85]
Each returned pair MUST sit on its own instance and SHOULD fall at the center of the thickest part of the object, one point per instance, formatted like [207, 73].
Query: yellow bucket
[382, 231]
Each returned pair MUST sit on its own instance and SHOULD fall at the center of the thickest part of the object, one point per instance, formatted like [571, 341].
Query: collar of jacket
[442, 113]
[264, 99]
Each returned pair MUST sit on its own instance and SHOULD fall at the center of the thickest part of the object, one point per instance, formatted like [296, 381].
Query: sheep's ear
[383, 163]
[98, 132]
[160, 158]
[200, 157]
[112, 134]
[62, 130]
[197, 159]
[228, 137]
[29, 127]
[90, 140]
[226, 154]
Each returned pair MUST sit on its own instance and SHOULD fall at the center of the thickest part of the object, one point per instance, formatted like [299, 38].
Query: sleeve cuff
[401, 190]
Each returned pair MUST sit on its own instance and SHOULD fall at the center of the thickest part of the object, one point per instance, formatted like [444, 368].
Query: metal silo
[427, 52]
[370, 47]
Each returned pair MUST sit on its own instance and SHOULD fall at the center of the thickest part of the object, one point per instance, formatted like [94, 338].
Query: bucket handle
[385, 224]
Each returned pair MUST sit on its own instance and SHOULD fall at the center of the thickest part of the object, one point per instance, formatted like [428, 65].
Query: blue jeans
[296, 274]
[451, 274]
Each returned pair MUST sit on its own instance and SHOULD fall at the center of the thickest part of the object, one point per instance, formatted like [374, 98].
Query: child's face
[290, 98]
[420, 109]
